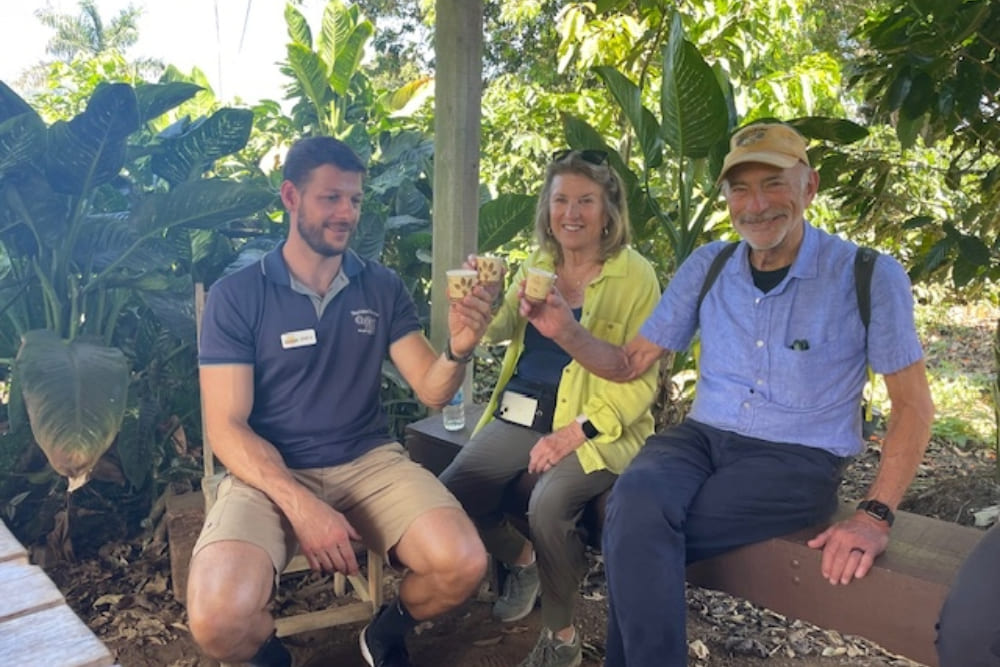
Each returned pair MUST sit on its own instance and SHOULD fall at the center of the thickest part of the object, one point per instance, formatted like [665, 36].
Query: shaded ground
[125, 594]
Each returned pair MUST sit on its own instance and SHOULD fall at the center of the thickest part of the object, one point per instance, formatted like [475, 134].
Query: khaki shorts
[380, 493]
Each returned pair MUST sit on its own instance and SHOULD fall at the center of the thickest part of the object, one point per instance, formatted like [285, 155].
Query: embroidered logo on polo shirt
[300, 338]
[366, 321]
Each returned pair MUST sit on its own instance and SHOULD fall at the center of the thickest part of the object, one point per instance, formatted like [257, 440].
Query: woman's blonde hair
[594, 166]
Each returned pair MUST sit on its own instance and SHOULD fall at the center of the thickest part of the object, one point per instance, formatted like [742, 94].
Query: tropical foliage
[95, 221]
[99, 250]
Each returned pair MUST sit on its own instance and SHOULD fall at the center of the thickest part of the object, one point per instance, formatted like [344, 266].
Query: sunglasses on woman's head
[591, 155]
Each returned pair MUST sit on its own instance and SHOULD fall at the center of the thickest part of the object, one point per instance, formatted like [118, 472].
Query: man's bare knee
[226, 605]
[459, 570]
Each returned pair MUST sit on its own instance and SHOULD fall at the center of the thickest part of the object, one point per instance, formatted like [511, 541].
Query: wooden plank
[896, 605]
[53, 636]
[26, 590]
[10, 548]
[348, 613]
[185, 515]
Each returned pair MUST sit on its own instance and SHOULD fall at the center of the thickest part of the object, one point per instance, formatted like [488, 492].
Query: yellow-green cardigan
[615, 305]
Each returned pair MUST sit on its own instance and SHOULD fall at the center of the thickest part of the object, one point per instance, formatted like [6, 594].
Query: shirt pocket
[608, 330]
[811, 379]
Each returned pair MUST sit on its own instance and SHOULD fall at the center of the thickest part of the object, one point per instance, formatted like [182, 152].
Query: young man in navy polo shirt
[777, 406]
[290, 355]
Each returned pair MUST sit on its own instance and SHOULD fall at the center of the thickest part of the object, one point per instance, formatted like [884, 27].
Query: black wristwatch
[877, 510]
[589, 430]
[450, 356]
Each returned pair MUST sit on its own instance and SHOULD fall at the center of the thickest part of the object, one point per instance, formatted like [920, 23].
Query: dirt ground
[125, 593]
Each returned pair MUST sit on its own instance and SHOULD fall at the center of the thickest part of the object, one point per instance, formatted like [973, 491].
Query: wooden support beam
[458, 49]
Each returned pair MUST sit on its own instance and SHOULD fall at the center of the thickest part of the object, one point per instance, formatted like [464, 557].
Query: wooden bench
[36, 625]
[896, 605]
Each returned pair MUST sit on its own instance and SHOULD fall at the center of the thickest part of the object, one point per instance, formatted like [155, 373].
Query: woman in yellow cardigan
[551, 417]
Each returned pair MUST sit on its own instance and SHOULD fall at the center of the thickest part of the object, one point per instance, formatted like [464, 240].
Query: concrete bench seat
[896, 605]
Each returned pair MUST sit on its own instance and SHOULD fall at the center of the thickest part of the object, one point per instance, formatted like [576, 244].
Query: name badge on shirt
[301, 338]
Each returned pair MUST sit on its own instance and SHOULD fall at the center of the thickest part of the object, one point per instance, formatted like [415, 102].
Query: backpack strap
[714, 269]
[864, 267]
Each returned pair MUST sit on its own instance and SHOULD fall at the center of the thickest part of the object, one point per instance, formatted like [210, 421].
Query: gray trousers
[969, 627]
[478, 477]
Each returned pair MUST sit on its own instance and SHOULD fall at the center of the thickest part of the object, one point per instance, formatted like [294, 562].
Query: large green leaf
[695, 116]
[298, 26]
[155, 99]
[22, 140]
[581, 135]
[369, 240]
[203, 204]
[405, 100]
[504, 218]
[33, 214]
[334, 29]
[75, 394]
[90, 149]
[349, 57]
[188, 156]
[629, 98]
[833, 130]
[12, 104]
[310, 74]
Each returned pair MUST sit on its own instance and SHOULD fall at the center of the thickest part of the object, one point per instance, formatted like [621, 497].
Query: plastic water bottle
[453, 414]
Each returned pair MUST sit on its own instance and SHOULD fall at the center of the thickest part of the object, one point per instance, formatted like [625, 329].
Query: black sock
[395, 620]
[272, 653]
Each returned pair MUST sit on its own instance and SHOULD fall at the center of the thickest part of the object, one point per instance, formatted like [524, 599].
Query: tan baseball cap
[775, 144]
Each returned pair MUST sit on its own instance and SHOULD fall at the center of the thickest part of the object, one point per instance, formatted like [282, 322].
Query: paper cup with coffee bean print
[461, 282]
[490, 269]
[538, 285]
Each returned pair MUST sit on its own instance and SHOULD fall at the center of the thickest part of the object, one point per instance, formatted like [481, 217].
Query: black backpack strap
[864, 266]
[714, 269]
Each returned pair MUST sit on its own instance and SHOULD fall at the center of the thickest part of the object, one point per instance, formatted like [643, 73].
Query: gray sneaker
[550, 651]
[520, 590]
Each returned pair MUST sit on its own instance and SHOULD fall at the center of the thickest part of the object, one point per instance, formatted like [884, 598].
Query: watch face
[877, 510]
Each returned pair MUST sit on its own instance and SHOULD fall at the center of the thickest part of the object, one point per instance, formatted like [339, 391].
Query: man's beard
[313, 236]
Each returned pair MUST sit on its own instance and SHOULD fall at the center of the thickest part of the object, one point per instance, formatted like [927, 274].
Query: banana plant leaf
[75, 394]
[341, 43]
[694, 113]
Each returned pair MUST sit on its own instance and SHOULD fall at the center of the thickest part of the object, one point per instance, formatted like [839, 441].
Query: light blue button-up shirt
[755, 378]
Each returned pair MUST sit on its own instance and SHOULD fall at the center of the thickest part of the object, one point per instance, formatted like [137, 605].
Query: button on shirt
[788, 365]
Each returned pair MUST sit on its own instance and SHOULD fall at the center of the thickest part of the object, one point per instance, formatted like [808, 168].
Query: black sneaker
[272, 653]
[383, 649]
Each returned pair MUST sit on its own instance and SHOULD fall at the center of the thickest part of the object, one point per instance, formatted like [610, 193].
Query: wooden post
[458, 48]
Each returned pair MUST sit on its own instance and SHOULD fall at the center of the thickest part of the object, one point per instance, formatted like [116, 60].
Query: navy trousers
[969, 627]
[693, 492]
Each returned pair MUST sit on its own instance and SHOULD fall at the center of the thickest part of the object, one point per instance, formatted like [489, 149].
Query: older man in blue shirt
[776, 414]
